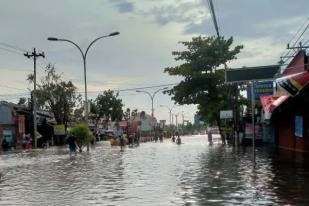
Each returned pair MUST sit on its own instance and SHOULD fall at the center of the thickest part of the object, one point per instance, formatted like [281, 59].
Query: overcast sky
[149, 31]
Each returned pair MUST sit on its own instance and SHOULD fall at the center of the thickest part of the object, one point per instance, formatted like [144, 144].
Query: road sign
[251, 73]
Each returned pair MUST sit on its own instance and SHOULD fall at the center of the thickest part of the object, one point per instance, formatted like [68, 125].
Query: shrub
[82, 134]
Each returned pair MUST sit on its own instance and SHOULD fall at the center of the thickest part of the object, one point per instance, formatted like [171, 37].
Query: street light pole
[176, 115]
[170, 111]
[84, 56]
[152, 97]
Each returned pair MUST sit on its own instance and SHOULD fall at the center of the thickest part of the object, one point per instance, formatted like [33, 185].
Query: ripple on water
[152, 174]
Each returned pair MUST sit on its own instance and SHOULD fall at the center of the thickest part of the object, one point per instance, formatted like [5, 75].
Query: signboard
[264, 88]
[251, 73]
[294, 83]
[226, 114]
[59, 129]
[298, 126]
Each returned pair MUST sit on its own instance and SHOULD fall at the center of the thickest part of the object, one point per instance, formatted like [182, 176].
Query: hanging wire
[10, 50]
[13, 47]
[288, 54]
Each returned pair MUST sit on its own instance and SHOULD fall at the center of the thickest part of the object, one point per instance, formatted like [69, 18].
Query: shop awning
[270, 103]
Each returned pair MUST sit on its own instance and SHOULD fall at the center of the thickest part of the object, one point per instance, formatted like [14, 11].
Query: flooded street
[154, 174]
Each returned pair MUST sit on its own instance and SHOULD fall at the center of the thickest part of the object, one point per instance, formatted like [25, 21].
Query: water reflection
[155, 174]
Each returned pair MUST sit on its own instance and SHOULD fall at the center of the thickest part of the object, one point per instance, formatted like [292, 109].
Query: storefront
[288, 109]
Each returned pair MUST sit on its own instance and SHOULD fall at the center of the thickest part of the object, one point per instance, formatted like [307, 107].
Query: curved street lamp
[170, 111]
[152, 97]
[84, 56]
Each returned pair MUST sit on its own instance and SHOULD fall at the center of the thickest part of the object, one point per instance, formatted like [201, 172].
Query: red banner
[294, 83]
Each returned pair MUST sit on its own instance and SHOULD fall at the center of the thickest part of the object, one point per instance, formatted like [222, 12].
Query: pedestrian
[119, 135]
[28, 143]
[71, 141]
[5, 145]
[210, 138]
[173, 138]
[24, 142]
[178, 140]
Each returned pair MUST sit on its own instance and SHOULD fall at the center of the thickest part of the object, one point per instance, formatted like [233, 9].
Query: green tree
[57, 96]
[109, 106]
[203, 82]
[82, 134]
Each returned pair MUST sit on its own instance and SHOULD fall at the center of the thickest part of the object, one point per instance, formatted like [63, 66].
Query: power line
[296, 41]
[9, 50]
[12, 47]
[299, 29]
[306, 42]
[133, 89]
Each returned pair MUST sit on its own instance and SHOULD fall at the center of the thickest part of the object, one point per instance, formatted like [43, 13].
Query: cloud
[123, 6]
[174, 11]
[258, 52]
[247, 19]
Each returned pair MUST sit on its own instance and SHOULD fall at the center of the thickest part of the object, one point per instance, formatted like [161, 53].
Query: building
[16, 120]
[12, 124]
[288, 109]
[146, 121]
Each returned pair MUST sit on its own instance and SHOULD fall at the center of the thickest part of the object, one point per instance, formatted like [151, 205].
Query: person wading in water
[71, 141]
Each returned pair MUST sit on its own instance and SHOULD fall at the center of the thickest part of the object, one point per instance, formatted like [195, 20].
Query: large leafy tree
[108, 105]
[57, 96]
[203, 80]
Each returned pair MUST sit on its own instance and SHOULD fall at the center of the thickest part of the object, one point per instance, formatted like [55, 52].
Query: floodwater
[155, 174]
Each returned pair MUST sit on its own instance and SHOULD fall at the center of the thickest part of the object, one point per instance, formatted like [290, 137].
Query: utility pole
[253, 123]
[35, 55]
[176, 115]
[213, 15]
[183, 119]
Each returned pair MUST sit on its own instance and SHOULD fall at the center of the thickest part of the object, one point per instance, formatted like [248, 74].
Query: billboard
[251, 73]
[264, 88]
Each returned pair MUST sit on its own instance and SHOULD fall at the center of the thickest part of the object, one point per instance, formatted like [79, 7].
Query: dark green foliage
[109, 106]
[203, 83]
[82, 134]
[58, 96]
